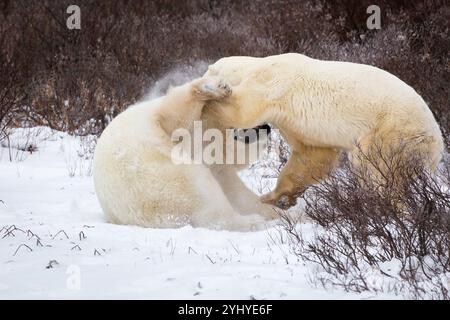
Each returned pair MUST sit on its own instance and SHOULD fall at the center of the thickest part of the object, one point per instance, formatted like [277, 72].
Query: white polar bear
[323, 108]
[137, 182]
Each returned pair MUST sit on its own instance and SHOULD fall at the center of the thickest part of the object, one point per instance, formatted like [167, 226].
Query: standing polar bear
[137, 181]
[321, 109]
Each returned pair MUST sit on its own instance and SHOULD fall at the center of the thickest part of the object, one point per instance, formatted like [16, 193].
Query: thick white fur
[137, 183]
[322, 108]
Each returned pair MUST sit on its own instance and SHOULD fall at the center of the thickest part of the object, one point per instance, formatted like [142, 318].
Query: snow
[55, 243]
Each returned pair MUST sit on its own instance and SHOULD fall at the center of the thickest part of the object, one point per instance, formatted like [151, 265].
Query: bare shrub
[77, 80]
[13, 73]
[373, 235]
[413, 42]
[79, 154]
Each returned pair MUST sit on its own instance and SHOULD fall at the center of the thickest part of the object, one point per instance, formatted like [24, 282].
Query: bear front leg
[211, 88]
[307, 165]
[241, 198]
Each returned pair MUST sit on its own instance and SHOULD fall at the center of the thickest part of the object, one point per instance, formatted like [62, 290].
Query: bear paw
[213, 88]
[283, 202]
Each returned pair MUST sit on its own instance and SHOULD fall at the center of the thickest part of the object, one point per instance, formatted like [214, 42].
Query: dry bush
[370, 229]
[77, 80]
[13, 74]
[80, 79]
[413, 42]
[10, 97]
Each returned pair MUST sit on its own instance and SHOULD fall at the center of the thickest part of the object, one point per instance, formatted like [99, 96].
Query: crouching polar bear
[138, 181]
[322, 108]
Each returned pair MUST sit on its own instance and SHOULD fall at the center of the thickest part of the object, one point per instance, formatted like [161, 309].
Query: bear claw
[215, 89]
[283, 202]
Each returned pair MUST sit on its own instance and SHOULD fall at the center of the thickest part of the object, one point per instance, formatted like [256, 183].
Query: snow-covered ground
[54, 242]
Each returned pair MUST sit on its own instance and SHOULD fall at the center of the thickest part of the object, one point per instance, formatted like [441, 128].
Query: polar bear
[138, 183]
[323, 108]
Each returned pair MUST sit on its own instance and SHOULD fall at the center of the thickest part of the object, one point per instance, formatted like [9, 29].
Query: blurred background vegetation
[77, 80]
